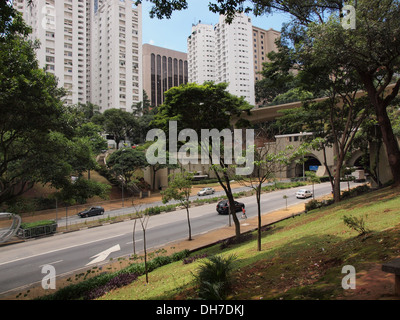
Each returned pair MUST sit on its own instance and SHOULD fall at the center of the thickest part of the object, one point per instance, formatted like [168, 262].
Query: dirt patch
[372, 284]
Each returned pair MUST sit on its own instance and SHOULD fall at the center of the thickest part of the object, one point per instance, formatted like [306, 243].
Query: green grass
[301, 258]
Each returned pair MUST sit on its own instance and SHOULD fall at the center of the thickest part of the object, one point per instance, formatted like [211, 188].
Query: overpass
[270, 113]
[315, 158]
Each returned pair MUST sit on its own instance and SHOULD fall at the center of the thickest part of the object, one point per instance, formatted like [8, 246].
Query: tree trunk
[188, 219]
[390, 141]
[145, 256]
[388, 137]
[258, 195]
[133, 237]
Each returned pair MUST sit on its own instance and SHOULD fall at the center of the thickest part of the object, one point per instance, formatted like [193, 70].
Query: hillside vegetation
[301, 258]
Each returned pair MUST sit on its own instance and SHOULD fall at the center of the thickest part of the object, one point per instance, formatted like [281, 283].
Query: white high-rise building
[201, 53]
[234, 56]
[93, 47]
[223, 53]
[116, 55]
[60, 27]
[232, 53]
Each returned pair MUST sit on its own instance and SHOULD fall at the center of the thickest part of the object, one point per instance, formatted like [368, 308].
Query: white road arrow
[103, 255]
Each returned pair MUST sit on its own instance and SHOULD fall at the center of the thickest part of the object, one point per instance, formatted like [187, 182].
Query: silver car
[303, 194]
[205, 191]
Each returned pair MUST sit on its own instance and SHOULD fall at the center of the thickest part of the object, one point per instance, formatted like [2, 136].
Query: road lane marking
[66, 248]
[104, 254]
[131, 242]
[51, 263]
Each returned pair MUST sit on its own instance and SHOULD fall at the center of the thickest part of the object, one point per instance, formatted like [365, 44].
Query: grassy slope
[301, 258]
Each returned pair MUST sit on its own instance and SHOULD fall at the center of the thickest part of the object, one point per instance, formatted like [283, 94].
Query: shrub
[116, 282]
[214, 278]
[355, 191]
[357, 224]
[312, 205]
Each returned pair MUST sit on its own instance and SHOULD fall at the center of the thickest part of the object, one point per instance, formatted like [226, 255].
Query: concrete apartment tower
[223, 53]
[116, 55]
[61, 29]
[234, 58]
[92, 46]
[201, 53]
[232, 53]
[162, 69]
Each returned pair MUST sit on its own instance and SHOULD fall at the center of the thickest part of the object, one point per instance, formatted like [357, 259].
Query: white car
[205, 191]
[303, 194]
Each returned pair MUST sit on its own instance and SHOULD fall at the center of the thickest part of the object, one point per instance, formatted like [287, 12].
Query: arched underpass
[311, 163]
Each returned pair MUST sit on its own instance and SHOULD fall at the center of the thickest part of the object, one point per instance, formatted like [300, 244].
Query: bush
[214, 278]
[116, 282]
[355, 192]
[357, 224]
[312, 205]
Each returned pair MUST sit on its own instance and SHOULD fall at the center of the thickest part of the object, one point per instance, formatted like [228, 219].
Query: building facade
[232, 53]
[116, 55]
[201, 53]
[61, 29]
[234, 59]
[162, 69]
[263, 43]
[93, 47]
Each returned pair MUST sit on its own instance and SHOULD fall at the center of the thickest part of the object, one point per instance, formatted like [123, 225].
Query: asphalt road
[21, 264]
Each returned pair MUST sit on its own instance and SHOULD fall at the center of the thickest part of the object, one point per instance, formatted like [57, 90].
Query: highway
[21, 263]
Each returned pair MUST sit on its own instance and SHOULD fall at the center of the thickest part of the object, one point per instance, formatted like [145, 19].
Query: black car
[223, 206]
[93, 211]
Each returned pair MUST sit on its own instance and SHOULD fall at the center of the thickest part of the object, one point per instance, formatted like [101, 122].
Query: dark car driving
[223, 206]
[92, 211]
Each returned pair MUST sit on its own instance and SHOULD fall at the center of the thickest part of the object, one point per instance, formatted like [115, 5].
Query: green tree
[92, 133]
[268, 162]
[179, 189]
[38, 142]
[125, 162]
[207, 106]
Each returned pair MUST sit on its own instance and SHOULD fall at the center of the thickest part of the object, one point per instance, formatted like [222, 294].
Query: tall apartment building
[231, 53]
[61, 28]
[234, 58]
[263, 43]
[116, 55]
[92, 46]
[201, 53]
[162, 69]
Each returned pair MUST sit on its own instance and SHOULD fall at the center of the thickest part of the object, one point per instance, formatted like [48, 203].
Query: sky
[173, 33]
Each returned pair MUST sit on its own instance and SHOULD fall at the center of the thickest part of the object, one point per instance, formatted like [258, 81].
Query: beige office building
[263, 43]
[162, 69]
